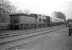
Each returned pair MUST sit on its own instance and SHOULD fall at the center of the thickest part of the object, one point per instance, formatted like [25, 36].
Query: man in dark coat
[70, 28]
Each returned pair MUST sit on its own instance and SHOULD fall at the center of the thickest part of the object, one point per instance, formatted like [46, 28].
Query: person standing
[70, 28]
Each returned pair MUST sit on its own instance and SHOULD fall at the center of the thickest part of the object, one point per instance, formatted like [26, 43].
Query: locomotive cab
[14, 22]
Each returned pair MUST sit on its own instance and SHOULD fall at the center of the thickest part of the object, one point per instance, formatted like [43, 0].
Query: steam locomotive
[28, 21]
[25, 21]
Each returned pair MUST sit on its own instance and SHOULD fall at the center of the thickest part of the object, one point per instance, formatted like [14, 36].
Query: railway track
[12, 38]
[11, 43]
[23, 32]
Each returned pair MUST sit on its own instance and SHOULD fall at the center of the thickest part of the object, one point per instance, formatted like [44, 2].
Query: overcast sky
[44, 6]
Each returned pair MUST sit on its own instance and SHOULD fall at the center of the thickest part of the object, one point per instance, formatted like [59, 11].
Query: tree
[5, 9]
[6, 5]
[60, 15]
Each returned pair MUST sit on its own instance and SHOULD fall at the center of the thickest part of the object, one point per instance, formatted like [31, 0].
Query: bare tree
[5, 9]
[6, 5]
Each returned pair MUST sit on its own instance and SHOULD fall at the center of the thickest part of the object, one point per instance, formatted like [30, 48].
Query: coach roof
[22, 14]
